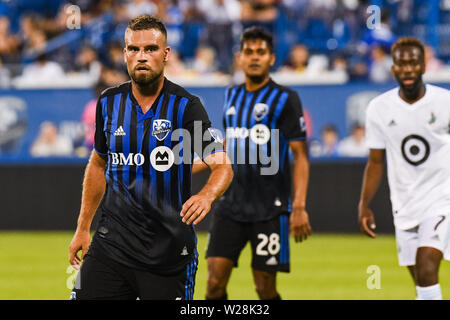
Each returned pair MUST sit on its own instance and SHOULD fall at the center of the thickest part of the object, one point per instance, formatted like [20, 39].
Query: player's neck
[146, 95]
[256, 83]
[414, 94]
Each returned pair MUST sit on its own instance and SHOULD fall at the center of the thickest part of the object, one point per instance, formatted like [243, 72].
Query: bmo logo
[133, 159]
[237, 133]
[259, 134]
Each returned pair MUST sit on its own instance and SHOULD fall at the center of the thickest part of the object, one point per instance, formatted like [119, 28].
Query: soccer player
[145, 244]
[262, 120]
[410, 125]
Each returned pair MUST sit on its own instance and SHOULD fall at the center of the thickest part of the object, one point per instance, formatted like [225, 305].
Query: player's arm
[198, 206]
[200, 165]
[299, 220]
[94, 185]
[371, 180]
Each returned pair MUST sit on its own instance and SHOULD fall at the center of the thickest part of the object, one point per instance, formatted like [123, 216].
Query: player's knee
[427, 273]
[265, 286]
[216, 284]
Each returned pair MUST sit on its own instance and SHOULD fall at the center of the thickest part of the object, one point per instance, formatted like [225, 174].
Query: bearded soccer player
[145, 243]
[410, 126]
[263, 120]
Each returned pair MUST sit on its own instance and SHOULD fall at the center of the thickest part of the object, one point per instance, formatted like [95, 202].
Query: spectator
[88, 119]
[36, 42]
[382, 34]
[139, 7]
[5, 76]
[355, 144]
[298, 59]
[175, 66]
[114, 58]
[327, 147]
[87, 63]
[380, 69]
[49, 143]
[204, 60]
[110, 77]
[220, 16]
[9, 43]
[43, 71]
[432, 63]
[262, 11]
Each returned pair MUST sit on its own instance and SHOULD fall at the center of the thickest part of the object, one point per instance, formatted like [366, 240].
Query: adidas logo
[119, 132]
[231, 111]
[184, 252]
[277, 203]
[272, 261]
[392, 123]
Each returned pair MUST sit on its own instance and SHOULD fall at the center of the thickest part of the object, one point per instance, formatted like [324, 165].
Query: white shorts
[433, 232]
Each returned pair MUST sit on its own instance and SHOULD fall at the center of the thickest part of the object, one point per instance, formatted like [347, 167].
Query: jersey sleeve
[374, 134]
[291, 122]
[100, 144]
[205, 140]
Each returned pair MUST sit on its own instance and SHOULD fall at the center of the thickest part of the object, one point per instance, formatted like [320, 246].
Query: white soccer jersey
[417, 142]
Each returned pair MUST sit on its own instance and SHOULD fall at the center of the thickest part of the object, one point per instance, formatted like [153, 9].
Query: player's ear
[166, 54]
[125, 54]
[272, 59]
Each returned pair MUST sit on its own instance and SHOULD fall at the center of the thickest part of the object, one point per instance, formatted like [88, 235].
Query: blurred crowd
[330, 144]
[41, 41]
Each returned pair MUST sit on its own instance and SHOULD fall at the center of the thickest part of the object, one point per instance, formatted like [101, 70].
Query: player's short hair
[254, 33]
[147, 22]
[408, 42]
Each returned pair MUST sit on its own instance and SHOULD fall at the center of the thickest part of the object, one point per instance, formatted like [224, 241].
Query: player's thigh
[226, 238]
[270, 244]
[433, 233]
[175, 286]
[98, 280]
[407, 244]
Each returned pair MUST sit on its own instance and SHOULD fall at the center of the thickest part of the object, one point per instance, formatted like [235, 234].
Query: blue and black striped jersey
[259, 126]
[148, 175]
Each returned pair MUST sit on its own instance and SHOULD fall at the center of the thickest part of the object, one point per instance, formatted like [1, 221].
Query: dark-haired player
[141, 167]
[262, 120]
[410, 126]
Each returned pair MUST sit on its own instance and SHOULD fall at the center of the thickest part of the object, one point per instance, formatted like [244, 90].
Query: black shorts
[269, 241]
[101, 278]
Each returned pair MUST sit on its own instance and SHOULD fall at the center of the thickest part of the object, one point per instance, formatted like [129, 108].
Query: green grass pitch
[33, 265]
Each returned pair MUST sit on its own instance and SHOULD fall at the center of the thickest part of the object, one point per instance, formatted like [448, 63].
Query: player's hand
[195, 209]
[299, 224]
[80, 241]
[366, 221]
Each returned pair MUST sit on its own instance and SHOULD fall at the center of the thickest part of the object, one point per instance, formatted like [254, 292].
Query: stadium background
[54, 59]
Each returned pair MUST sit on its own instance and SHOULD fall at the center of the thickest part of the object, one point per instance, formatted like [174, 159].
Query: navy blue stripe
[228, 105]
[284, 151]
[234, 124]
[152, 145]
[112, 141]
[278, 109]
[241, 148]
[252, 145]
[181, 108]
[139, 169]
[126, 141]
[168, 143]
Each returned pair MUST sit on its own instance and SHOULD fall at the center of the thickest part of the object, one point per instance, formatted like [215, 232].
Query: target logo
[415, 149]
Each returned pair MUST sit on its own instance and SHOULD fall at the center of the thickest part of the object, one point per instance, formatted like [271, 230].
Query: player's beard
[412, 92]
[257, 79]
[145, 79]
